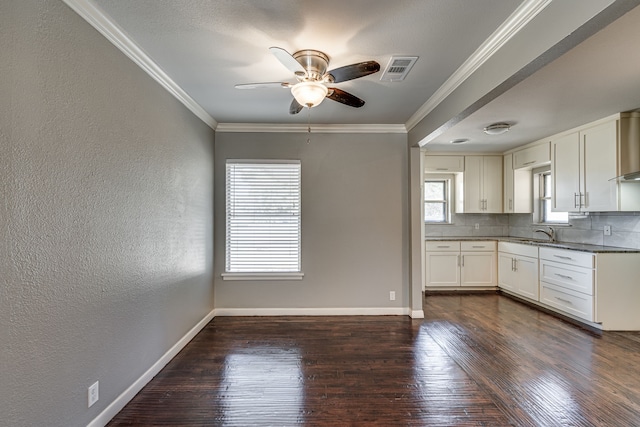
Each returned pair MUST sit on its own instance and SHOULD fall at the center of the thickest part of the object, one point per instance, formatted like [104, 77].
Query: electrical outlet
[477, 227]
[93, 393]
[607, 230]
[392, 295]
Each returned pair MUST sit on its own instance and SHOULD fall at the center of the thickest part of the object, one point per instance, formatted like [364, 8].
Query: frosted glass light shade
[309, 94]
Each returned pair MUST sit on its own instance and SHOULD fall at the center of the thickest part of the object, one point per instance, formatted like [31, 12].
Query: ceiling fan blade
[354, 71]
[344, 98]
[295, 107]
[287, 60]
[262, 85]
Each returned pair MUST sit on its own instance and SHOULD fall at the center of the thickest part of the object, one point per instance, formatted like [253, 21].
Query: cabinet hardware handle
[564, 276]
[563, 257]
[510, 204]
[529, 163]
[474, 246]
[443, 246]
[515, 263]
[583, 205]
[564, 300]
[462, 265]
[575, 200]
[442, 169]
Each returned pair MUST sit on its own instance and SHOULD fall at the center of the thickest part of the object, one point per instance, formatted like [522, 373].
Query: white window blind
[263, 217]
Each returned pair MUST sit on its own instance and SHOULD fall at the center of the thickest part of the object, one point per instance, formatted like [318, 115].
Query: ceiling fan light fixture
[497, 128]
[309, 94]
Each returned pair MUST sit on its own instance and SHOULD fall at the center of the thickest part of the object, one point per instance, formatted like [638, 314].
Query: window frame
[543, 200]
[257, 274]
[447, 201]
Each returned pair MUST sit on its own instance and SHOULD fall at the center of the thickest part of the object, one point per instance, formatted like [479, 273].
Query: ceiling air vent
[398, 68]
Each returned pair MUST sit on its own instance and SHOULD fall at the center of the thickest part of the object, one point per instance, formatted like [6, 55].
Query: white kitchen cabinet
[483, 184]
[444, 164]
[518, 188]
[567, 281]
[518, 269]
[583, 164]
[532, 157]
[460, 264]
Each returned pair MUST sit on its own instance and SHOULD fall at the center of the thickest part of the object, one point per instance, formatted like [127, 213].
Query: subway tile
[618, 223]
[623, 240]
[576, 235]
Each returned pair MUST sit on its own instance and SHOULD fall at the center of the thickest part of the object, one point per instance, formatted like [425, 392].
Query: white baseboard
[116, 406]
[338, 311]
[417, 314]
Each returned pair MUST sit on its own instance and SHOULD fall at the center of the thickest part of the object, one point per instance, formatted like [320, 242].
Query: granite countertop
[582, 247]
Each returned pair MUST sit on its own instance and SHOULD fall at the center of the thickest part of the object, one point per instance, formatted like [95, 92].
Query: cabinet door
[527, 277]
[473, 202]
[478, 269]
[492, 183]
[442, 269]
[565, 173]
[506, 273]
[507, 167]
[598, 162]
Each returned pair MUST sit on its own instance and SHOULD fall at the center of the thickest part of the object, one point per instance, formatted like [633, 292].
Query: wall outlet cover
[607, 230]
[93, 393]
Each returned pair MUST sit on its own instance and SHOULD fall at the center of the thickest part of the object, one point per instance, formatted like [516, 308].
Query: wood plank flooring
[475, 360]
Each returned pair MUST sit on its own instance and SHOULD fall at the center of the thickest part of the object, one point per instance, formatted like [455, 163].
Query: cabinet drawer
[575, 303]
[443, 246]
[581, 259]
[478, 246]
[444, 164]
[532, 157]
[578, 279]
[518, 249]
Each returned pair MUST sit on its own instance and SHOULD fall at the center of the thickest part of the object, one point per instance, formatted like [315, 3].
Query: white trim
[105, 26]
[262, 276]
[338, 311]
[120, 402]
[315, 128]
[417, 314]
[528, 10]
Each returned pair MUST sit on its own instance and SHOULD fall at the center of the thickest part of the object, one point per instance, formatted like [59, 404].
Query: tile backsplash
[625, 228]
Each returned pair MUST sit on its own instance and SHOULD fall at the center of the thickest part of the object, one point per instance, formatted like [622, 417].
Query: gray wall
[105, 217]
[355, 221]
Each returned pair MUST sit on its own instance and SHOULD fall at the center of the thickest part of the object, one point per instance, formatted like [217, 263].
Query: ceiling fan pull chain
[309, 125]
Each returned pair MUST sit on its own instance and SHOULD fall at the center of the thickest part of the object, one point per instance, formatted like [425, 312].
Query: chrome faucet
[551, 233]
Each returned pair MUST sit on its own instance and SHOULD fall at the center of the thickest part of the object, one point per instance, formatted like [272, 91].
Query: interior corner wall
[355, 222]
[106, 214]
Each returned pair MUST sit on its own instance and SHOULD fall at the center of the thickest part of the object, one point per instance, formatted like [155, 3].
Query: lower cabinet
[518, 269]
[567, 281]
[460, 264]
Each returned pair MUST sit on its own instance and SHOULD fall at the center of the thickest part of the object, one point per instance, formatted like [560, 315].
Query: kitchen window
[263, 223]
[545, 214]
[437, 198]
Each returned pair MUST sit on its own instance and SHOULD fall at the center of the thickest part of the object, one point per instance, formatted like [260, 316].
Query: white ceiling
[208, 46]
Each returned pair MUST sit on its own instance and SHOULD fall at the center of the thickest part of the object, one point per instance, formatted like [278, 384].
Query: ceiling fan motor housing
[314, 61]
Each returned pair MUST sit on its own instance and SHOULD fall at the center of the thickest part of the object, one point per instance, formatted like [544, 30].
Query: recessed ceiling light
[459, 141]
[497, 128]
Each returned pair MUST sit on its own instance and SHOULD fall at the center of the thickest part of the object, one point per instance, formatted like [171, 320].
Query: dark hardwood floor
[475, 360]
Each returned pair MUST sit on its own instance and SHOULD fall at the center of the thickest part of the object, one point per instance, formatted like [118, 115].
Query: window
[436, 200]
[263, 219]
[545, 213]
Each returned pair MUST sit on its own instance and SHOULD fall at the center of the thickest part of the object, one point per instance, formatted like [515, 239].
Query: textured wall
[355, 221]
[105, 217]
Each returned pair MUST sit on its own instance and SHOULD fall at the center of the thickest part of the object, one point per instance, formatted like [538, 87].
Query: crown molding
[315, 128]
[528, 10]
[105, 26]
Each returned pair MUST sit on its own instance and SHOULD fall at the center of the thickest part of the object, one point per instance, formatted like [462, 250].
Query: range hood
[629, 147]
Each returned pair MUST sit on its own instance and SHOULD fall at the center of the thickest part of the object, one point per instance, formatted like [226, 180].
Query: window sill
[263, 276]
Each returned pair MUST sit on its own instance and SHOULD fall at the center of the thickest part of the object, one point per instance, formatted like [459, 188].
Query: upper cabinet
[584, 164]
[482, 184]
[518, 188]
[444, 164]
[532, 157]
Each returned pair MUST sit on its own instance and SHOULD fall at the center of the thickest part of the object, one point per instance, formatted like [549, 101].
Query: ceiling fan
[310, 69]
